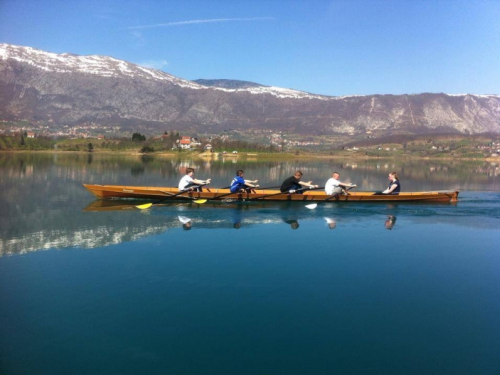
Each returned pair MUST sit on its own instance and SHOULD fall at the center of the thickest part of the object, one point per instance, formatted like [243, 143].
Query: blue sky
[325, 47]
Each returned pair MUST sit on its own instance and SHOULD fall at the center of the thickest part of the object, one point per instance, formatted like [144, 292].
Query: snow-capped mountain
[67, 89]
[108, 67]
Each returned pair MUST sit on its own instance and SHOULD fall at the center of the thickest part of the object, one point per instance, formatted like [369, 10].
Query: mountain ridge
[69, 89]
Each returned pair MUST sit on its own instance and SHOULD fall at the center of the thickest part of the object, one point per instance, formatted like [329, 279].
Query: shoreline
[253, 155]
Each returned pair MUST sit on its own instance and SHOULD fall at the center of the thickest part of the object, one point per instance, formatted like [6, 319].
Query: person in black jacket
[294, 185]
[394, 185]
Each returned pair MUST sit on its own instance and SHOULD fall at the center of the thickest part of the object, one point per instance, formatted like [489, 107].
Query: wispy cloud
[138, 38]
[155, 64]
[194, 22]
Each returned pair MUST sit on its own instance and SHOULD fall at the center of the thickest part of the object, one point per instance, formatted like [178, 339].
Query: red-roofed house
[185, 143]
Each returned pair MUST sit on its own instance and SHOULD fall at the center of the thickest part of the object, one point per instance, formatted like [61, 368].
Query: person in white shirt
[189, 183]
[334, 186]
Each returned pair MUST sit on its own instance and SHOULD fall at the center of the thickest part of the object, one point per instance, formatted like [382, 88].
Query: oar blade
[200, 201]
[144, 206]
[312, 206]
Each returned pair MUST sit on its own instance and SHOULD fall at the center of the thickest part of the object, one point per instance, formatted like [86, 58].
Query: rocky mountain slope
[67, 89]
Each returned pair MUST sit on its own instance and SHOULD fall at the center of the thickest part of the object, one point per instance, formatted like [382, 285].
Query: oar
[260, 188]
[287, 193]
[270, 187]
[215, 197]
[147, 205]
[254, 188]
[312, 206]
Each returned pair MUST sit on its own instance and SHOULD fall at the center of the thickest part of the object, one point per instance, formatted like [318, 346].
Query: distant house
[207, 147]
[185, 143]
[100, 136]
[30, 134]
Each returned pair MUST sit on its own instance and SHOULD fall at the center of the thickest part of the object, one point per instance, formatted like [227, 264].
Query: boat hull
[167, 193]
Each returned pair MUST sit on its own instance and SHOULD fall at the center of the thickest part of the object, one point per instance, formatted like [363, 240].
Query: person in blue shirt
[239, 184]
[394, 185]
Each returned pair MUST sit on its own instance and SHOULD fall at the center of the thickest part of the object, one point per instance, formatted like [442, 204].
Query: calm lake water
[260, 288]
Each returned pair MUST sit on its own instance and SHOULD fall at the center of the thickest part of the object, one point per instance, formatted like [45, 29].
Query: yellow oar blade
[200, 201]
[144, 206]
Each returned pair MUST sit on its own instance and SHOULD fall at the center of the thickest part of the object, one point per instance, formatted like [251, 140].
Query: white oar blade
[144, 206]
[312, 206]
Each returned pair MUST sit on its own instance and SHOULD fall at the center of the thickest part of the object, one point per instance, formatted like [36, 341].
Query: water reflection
[390, 222]
[368, 174]
[186, 222]
[42, 197]
[109, 222]
[294, 224]
[331, 223]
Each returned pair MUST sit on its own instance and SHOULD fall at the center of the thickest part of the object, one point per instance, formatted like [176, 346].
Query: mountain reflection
[109, 222]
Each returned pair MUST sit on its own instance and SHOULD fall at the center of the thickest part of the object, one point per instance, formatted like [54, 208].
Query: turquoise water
[249, 288]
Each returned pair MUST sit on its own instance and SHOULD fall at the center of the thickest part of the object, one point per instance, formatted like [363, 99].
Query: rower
[334, 186]
[188, 183]
[394, 184]
[239, 184]
[294, 185]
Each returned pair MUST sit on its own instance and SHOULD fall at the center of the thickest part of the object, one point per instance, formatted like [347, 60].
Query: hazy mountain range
[68, 89]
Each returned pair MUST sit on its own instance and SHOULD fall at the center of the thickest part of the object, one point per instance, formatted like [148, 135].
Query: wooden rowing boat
[214, 194]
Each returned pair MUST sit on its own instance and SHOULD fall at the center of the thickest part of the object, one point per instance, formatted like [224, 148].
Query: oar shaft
[285, 193]
[312, 206]
[269, 187]
[168, 197]
[217, 197]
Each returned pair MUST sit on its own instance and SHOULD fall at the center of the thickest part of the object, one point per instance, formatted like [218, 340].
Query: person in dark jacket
[293, 184]
[394, 185]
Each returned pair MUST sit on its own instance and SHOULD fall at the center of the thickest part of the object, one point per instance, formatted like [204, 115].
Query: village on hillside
[40, 129]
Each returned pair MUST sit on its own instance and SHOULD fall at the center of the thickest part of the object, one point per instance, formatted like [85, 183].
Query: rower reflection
[294, 224]
[186, 222]
[332, 224]
[236, 217]
[390, 222]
